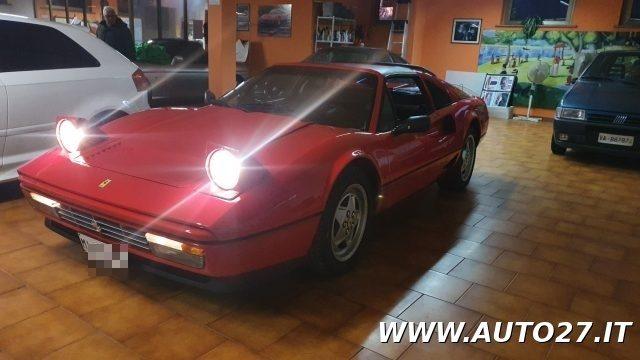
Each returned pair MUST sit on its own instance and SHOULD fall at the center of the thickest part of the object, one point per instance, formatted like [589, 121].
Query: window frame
[508, 5]
[625, 16]
[385, 91]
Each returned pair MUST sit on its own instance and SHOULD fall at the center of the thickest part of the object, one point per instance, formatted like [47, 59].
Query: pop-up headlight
[70, 135]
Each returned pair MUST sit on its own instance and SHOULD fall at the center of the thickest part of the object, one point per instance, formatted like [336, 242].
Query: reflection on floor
[537, 237]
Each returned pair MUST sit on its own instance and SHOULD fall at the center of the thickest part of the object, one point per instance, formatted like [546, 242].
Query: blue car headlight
[571, 114]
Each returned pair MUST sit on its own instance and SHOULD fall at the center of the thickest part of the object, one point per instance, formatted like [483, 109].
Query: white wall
[18, 7]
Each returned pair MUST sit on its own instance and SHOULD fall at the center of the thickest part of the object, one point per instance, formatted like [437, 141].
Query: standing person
[115, 32]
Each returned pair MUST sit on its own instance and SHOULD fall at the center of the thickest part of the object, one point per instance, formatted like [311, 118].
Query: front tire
[344, 224]
[557, 149]
[457, 177]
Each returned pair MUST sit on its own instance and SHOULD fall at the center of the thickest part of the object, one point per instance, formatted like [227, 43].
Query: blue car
[601, 112]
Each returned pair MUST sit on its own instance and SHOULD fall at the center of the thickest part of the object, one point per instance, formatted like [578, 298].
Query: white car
[49, 70]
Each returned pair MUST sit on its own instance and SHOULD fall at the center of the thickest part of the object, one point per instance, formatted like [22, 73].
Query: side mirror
[414, 124]
[177, 60]
[209, 97]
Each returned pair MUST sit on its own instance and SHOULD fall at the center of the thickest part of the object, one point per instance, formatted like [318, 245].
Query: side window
[441, 98]
[38, 47]
[387, 119]
[408, 97]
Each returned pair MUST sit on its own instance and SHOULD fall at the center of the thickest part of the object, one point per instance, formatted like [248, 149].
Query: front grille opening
[102, 226]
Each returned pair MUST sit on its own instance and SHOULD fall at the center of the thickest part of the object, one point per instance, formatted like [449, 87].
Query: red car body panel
[155, 161]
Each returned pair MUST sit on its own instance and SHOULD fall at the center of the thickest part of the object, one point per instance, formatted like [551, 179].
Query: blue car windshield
[623, 67]
[329, 97]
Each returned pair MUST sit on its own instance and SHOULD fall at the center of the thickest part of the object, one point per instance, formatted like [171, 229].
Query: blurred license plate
[612, 139]
[88, 243]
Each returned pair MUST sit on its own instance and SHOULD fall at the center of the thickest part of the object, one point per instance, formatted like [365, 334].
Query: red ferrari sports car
[292, 164]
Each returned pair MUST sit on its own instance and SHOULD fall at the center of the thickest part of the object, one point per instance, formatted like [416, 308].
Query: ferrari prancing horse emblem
[105, 183]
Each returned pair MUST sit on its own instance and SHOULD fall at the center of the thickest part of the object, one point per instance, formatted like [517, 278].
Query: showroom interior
[539, 225]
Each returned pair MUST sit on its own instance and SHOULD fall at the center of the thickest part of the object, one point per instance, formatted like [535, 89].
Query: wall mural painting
[566, 52]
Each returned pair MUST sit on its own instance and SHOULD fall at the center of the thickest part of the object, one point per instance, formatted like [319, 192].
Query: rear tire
[344, 224]
[457, 177]
[557, 149]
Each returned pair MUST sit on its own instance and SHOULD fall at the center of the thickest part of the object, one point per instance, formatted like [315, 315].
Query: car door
[3, 126]
[408, 156]
[443, 124]
[46, 74]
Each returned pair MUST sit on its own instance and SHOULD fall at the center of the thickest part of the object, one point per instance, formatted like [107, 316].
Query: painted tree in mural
[507, 38]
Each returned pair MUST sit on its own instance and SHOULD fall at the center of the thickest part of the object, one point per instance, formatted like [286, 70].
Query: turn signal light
[44, 204]
[175, 250]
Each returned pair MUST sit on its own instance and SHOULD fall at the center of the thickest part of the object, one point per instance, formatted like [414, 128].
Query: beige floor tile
[127, 318]
[307, 342]
[364, 330]
[541, 290]
[524, 264]
[96, 347]
[322, 309]
[28, 258]
[176, 338]
[430, 309]
[8, 282]
[585, 280]
[42, 334]
[563, 256]
[511, 243]
[254, 327]
[21, 304]
[88, 295]
[448, 350]
[475, 251]
[200, 306]
[483, 274]
[55, 276]
[230, 350]
[441, 286]
[494, 303]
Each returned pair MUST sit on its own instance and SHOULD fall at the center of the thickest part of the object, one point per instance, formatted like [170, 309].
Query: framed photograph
[274, 20]
[499, 82]
[496, 98]
[466, 31]
[243, 18]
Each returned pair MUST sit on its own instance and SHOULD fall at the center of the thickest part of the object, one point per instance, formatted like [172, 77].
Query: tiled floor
[537, 237]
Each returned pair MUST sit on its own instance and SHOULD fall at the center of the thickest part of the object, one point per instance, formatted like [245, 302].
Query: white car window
[37, 47]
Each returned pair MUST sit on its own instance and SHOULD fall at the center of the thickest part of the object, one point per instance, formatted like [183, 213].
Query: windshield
[329, 97]
[616, 66]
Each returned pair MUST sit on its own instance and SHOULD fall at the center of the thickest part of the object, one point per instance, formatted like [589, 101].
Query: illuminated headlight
[224, 169]
[176, 251]
[572, 114]
[69, 135]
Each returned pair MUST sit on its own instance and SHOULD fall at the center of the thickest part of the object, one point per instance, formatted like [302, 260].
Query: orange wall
[266, 51]
[433, 20]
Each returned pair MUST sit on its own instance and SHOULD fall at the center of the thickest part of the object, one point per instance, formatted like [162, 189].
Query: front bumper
[584, 135]
[223, 284]
[222, 259]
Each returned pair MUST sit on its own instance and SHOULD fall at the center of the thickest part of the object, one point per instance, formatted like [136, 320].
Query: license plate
[622, 140]
[88, 242]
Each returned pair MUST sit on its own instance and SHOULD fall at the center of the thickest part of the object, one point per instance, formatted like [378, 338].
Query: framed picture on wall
[466, 31]
[274, 20]
[243, 19]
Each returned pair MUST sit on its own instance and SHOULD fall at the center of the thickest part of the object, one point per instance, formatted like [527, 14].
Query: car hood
[606, 96]
[170, 146]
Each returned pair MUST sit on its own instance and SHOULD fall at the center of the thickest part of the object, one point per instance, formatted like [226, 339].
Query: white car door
[47, 75]
[3, 125]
